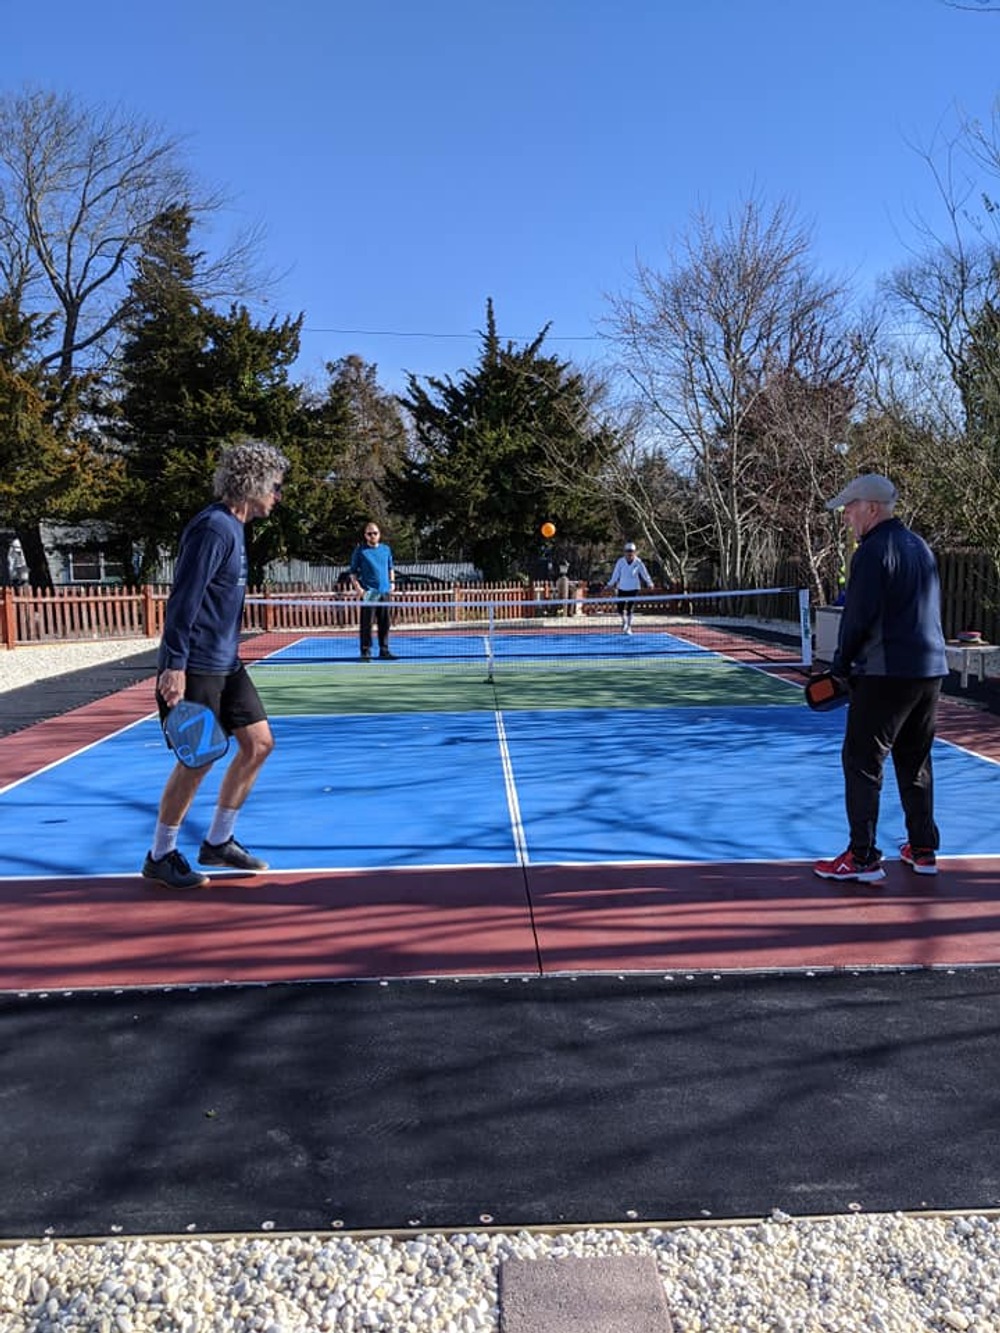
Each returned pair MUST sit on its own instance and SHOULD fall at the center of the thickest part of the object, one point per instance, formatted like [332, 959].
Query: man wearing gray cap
[891, 650]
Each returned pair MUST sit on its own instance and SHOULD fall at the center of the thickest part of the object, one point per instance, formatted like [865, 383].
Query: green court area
[397, 687]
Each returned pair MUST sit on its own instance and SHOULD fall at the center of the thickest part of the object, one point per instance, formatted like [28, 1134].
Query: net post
[805, 627]
[490, 629]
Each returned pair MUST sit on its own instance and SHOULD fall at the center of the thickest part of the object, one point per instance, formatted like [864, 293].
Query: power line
[400, 333]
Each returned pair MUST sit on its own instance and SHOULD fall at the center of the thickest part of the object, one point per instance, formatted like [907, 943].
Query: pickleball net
[496, 636]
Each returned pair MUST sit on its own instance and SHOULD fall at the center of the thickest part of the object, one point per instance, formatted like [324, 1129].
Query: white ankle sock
[223, 823]
[164, 840]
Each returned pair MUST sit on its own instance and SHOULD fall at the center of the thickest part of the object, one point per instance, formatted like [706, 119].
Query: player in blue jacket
[373, 576]
[199, 660]
[891, 650]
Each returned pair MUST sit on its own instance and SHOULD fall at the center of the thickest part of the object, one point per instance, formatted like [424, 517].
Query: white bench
[973, 659]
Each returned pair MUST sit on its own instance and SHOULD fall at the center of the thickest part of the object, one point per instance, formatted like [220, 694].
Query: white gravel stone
[30, 662]
[885, 1272]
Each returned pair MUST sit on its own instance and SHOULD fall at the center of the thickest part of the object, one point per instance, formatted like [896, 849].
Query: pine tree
[157, 425]
[492, 453]
[192, 380]
[46, 471]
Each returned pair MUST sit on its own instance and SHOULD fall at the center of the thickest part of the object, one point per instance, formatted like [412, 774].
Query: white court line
[966, 749]
[73, 754]
[513, 806]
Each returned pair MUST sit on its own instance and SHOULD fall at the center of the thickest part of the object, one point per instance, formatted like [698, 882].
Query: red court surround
[123, 931]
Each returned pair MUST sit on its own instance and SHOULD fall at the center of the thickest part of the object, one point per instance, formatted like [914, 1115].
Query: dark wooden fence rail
[970, 594]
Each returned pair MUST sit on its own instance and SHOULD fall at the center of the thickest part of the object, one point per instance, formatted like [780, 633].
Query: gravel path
[890, 1274]
[30, 663]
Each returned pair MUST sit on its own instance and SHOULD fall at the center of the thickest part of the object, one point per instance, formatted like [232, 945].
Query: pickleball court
[566, 797]
[540, 945]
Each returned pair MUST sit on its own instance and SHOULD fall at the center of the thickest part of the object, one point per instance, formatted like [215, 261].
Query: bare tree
[664, 510]
[955, 272]
[80, 189]
[800, 421]
[632, 486]
[910, 427]
[738, 310]
[942, 384]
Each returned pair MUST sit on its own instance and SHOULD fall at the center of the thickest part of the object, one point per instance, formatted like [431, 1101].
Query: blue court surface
[540, 643]
[495, 788]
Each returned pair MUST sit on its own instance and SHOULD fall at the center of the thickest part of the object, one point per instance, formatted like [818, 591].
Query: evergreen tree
[491, 454]
[46, 472]
[80, 186]
[158, 424]
[192, 379]
[244, 391]
[353, 438]
[969, 481]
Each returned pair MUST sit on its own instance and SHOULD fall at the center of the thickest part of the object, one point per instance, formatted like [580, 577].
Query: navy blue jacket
[891, 624]
[201, 630]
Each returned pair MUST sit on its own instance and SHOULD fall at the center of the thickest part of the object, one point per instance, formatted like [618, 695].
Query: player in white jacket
[628, 575]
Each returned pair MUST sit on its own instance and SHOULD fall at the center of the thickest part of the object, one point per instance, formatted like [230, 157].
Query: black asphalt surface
[52, 697]
[510, 1101]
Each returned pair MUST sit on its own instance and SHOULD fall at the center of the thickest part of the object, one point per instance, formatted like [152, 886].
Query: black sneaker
[366, 654]
[385, 654]
[229, 853]
[173, 871]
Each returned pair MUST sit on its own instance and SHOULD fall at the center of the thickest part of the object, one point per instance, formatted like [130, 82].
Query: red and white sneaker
[845, 867]
[920, 859]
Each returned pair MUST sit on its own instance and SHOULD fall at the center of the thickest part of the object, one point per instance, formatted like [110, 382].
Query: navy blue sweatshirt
[891, 625]
[201, 630]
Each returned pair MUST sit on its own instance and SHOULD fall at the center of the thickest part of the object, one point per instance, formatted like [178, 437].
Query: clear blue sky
[410, 158]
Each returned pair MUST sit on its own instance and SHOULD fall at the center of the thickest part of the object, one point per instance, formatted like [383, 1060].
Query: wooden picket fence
[47, 615]
[970, 596]
[72, 614]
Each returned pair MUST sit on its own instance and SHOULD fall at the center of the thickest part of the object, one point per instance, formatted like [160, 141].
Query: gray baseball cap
[630, 546]
[871, 486]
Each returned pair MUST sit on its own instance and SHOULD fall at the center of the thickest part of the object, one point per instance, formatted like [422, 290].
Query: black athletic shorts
[233, 698]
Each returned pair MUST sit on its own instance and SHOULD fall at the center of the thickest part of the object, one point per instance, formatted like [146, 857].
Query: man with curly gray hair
[199, 661]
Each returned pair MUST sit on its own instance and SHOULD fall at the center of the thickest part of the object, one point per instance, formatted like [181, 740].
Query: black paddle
[826, 691]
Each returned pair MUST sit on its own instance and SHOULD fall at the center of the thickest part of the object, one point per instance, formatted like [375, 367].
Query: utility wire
[399, 333]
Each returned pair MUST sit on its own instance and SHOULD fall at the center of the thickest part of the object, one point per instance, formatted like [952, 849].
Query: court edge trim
[670, 978]
[627, 1226]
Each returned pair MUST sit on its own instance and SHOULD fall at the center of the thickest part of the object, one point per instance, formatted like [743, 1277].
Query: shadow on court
[511, 1101]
